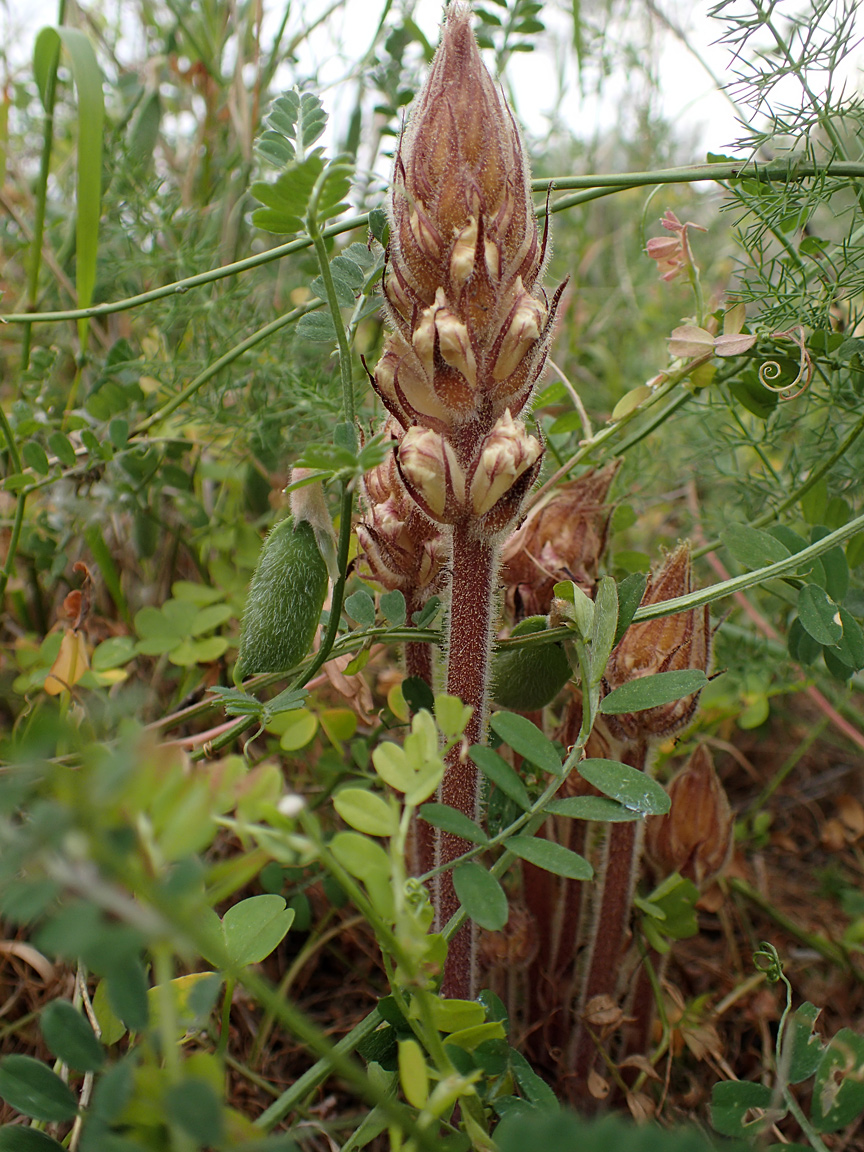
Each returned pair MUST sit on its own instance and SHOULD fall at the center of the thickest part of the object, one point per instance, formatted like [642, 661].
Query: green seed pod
[285, 600]
[526, 679]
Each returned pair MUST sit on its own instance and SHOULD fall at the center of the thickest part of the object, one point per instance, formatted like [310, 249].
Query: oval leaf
[838, 1091]
[527, 739]
[30, 1087]
[591, 808]
[16, 1138]
[551, 857]
[365, 811]
[752, 548]
[819, 615]
[452, 820]
[732, 1100]
[254, 927]
[497, 769]
[627, 785]
[70, 1037]
[652, 691]
[480, 895]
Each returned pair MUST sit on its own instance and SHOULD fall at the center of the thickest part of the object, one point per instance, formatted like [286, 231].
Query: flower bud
[509, 451]
[562, 538]
[695, 836]
[432, 475]
[669, 644]
[523, 328]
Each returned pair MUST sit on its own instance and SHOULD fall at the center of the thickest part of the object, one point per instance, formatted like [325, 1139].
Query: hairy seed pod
[285, 600]
[525, 679]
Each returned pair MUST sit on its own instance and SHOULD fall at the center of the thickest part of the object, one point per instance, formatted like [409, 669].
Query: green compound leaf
[452, 820]
[652, 691]
[361, 607]
[627, 785]
[819, 615]
[359, 855]
[393, 608]
[732, 1100]
[630, 593]
[527, 739]
[126, 986]
[480, 895]
[70, 1037]
[551, 857]
[255, 927]
[35, 457]
[287, 198]
[30, 1087]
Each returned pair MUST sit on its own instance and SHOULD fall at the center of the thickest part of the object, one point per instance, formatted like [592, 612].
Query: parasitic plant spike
[471, 327]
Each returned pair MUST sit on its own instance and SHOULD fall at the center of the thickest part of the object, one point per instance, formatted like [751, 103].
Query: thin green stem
[21, 500]
[41, 196]
[749, 579]
[292, 1097]
[781, 774]
[806, 1127]
[594, 185]
[337, 1059]
[180, 287]
[335, 310]
[815, 476]
[672, 378]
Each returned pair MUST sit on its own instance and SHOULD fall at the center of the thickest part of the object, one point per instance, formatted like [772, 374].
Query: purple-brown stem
[611, 924]
[475, 568]
[418, 663]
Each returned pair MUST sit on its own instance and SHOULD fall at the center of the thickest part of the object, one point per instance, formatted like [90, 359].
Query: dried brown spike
[695, 836]
[670, 644]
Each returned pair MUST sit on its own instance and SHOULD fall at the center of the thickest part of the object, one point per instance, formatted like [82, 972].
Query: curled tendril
[767, 960]
[771, 370]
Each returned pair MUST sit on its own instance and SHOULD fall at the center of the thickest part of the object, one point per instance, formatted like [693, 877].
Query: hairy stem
[475, 568]
[611, 923]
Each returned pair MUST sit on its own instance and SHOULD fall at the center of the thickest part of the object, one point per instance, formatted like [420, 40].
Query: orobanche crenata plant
[471, 327]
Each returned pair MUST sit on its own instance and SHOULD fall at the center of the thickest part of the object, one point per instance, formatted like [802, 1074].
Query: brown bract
[670, 644]
[695, 836]
[561, 539]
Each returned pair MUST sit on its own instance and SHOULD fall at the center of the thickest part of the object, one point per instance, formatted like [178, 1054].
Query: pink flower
[672, 253]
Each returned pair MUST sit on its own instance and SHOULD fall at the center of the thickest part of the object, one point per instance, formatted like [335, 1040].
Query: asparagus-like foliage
[470, 330]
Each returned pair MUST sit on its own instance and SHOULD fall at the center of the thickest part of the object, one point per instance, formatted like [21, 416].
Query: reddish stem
[611, 924]
[475, 568]
[418, 663]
